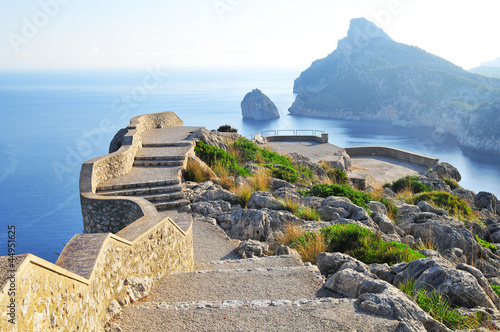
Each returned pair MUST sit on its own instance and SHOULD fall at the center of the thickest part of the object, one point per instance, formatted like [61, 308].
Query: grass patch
[212, 155]
[244, 192]
[309, 245]
[408, 183]
[436, 305]
[193, 172]
[452, 183]
[455, 206]
[336, 175]
[301, 211]
[364, 245]
[486, 244]
[496, 289]
[325, 190]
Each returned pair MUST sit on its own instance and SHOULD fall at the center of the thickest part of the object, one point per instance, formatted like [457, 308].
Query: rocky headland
[458, 264]
[257, 106]
[371, 77]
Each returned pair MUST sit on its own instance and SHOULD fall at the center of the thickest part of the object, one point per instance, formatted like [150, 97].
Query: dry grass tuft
[193, 172]
[291, 232]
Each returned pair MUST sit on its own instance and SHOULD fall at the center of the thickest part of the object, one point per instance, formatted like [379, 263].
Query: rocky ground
[457, 265]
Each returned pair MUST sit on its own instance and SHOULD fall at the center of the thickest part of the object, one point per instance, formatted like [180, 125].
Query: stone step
[172, 204]
[167, 144]
[142, 184]
[158, 162]
[161, 158]
[141, 191]
[251, 263]
[308, 314]
[240, 284]
[163, 197]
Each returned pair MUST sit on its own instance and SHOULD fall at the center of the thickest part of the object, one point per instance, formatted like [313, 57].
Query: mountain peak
[361, 30]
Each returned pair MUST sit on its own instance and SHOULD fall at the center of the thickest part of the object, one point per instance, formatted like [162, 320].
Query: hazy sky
[232, 33]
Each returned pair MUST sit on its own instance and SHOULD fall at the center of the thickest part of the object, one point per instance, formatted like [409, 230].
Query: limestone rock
[446, 170]
[113, 309]
[343, 207]
[426, 207]
[213, 138]
[258, 106]
[285, 250]
[486, 200]
[263, 199]
[245, 224]
[331, 263]
[217, 194]
[252, 248]
[137, 288]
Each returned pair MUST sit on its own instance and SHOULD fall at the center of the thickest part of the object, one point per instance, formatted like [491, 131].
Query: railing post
[324, 138]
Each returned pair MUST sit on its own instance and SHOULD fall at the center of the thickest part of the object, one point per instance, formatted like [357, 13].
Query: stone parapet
[398, 154]
[74, 293]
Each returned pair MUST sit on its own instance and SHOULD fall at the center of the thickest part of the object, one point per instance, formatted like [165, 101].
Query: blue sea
[53, 121]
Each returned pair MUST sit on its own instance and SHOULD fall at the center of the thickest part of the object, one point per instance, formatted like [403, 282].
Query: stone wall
[74, 293]
[402, 155]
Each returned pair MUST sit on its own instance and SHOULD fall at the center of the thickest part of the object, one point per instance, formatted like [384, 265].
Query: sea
[53, 121]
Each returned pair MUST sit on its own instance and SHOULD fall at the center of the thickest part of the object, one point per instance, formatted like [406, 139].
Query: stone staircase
[275, 293]
[156, 172]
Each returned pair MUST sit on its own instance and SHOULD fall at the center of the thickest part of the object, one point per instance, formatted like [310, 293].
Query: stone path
[156, 173]
[276, 293]
[315, 151]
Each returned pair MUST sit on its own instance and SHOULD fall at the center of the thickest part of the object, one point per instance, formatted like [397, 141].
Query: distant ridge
[490, 69]
[371, 77]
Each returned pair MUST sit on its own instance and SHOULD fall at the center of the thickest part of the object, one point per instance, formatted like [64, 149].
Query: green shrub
[496, 289]
[485, 244]
[283, 172]
[325, 190]
[436, 305]
[227, 129]
[307, 172]
[408, 183]
[212, 155]
[392, 209]
[452, 183]
[451, 203]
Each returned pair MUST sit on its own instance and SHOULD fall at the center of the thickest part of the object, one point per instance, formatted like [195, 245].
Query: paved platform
[315, 151]
[379, 170]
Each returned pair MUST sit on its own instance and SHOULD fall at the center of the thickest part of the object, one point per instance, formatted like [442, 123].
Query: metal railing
[292, 132]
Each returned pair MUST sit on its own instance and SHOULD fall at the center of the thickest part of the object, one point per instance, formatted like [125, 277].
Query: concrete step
[159, 162]
[294, 282]
[161, 158]
[171, 204]
[251, 263]
[141, 191]
[167, 144]
[308, 314]
[142, 184]
[163, 197]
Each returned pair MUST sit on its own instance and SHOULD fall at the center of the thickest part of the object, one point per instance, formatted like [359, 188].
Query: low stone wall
[398, 154]
[299, 138]
[75, 293]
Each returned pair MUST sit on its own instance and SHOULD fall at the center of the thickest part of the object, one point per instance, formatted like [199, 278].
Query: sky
[91, 34]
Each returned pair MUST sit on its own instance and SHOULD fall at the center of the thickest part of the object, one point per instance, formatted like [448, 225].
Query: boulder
[446, 170]
[252, 248]
[426, 207]
[331, 263]
[264, 200]
[486, 200]
[245, 224]
[285, 250]
[211, 207]
[377, 207]
[213, 138]
[386, 225]
[215, 195]
[344, 208]
[299, 160]
[466, 195]
[138, 288]
[258, 106]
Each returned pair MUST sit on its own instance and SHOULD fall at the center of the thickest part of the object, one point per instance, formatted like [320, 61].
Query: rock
[459, 287]
[258, 106]
[331, 263]
[377, 207]
[344, 208]
[415, 268]
[252, 248]
[255, 169]
[138, 288]
[299, 160]
[406, 210]
[486, 200]
[386, 225]
[213, 138]
[245, 224]
[285, 250]
[113, 309]
[211, 207]
[217, 194]
[264, 200]
[278, 183]
[380, 298]
[467, 195]
[482, 281]
[383, 271]
[388, 193]
[426, 207]
[446, 170]
[280, 218]
[259, 139]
